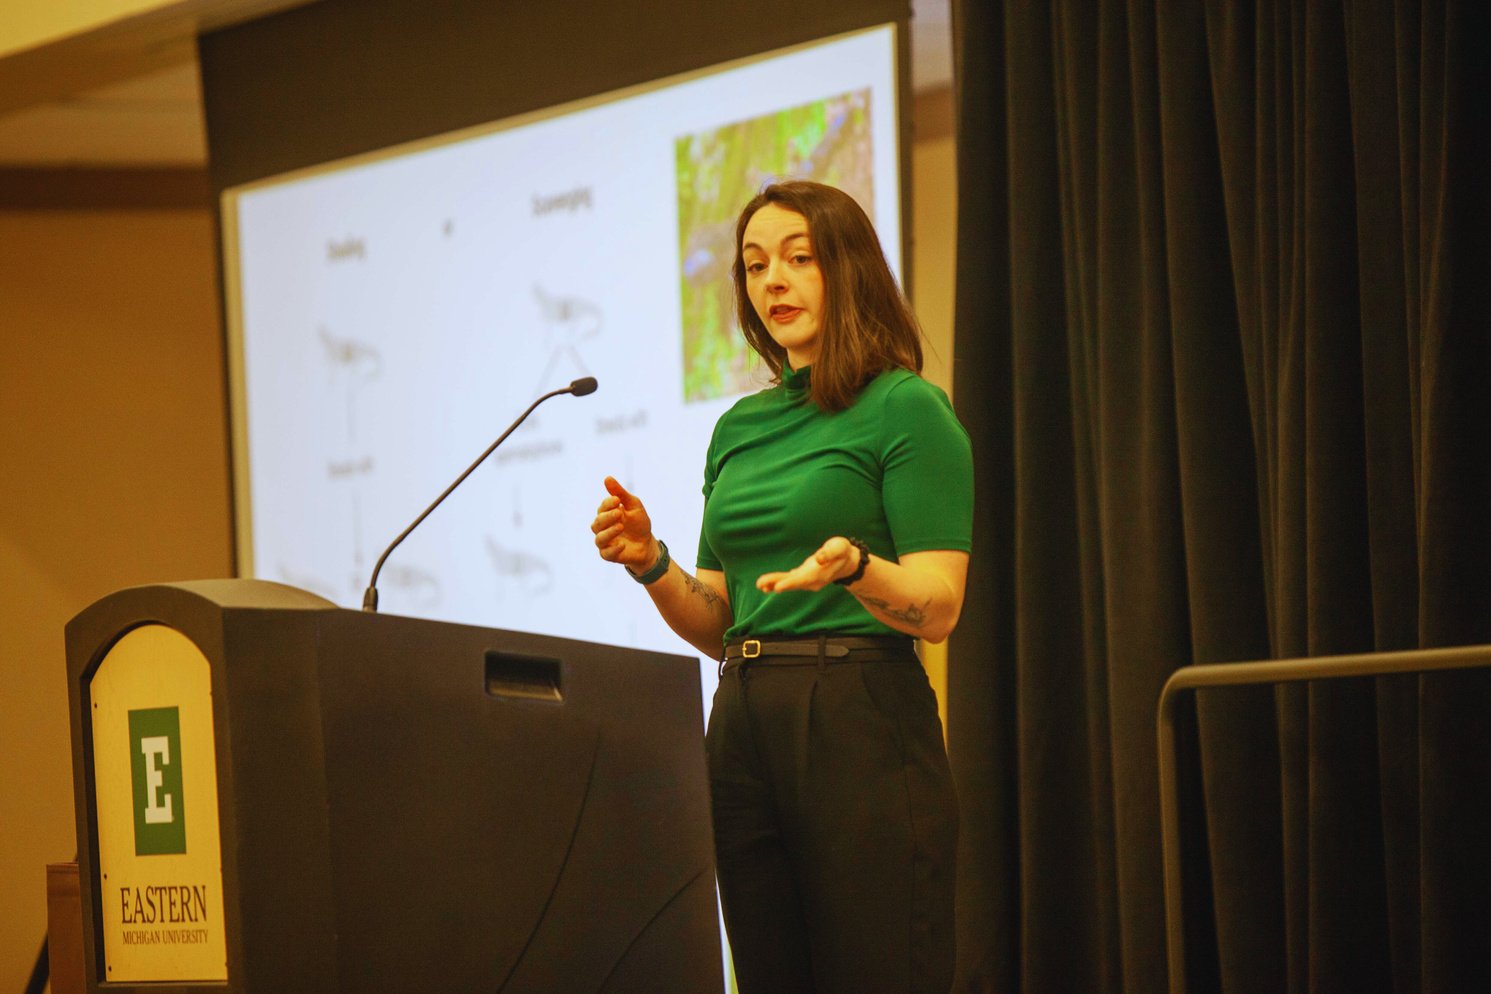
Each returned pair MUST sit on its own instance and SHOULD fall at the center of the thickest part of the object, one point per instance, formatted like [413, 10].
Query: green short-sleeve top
[783, 475]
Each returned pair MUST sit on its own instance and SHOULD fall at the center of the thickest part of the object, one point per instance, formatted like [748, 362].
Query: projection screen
[390, 315]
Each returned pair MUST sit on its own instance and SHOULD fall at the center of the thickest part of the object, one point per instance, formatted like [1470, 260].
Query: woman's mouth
[784, 312]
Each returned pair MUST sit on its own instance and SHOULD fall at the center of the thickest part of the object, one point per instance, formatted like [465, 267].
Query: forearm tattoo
[911, 615]
[703, 589]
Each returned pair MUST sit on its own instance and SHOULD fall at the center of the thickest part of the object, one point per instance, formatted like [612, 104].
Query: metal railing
[1189, 679]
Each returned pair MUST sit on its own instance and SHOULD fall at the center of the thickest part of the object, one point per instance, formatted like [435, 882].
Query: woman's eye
[755, 267]
[802, 258]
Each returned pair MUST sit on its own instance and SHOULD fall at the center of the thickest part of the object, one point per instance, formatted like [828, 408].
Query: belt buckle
[750, 648]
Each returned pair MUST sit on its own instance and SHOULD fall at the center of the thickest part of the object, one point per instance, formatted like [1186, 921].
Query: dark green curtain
[1224, 348]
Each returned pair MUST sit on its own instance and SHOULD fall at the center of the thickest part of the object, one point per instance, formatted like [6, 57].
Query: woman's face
[783, 280]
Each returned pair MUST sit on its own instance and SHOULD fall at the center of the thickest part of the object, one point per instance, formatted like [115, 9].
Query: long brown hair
[866, 327]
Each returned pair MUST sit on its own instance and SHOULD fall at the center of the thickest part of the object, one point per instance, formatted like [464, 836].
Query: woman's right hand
[623, 531]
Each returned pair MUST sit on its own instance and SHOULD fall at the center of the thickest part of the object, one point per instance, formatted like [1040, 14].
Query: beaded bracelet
[864, 560]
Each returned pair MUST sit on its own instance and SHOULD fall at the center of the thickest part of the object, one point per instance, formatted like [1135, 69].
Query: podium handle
[529, 678]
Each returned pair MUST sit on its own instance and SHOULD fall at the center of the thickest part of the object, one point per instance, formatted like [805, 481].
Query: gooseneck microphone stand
[581, 387]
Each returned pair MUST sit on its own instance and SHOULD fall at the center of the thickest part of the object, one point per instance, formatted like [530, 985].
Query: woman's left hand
[834, 558]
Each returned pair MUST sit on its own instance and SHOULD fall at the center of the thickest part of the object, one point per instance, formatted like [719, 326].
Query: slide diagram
[567, 322]
[421, 587]
[352, 366]
[355, 364]
[531, 574]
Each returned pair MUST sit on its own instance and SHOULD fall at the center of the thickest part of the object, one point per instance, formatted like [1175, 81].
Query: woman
[838, 507]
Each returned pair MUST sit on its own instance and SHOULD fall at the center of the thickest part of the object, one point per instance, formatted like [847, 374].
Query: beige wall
[113, 472]
[934, 179]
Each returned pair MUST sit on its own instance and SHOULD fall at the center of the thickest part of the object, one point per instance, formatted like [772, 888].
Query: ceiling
[155, 119]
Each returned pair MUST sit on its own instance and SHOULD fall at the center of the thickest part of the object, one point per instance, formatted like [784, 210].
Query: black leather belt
[831, 647]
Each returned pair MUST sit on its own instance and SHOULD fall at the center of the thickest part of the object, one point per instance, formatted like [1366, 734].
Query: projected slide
[393, 315]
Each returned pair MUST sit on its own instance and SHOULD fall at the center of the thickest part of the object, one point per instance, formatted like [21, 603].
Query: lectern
[275, 794]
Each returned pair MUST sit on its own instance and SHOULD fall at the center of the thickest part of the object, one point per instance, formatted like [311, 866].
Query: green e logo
[155, 769]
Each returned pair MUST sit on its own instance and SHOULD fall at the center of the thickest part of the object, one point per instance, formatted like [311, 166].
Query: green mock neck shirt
[782, 476]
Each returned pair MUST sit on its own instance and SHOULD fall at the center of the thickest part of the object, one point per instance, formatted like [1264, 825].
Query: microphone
[584, 385]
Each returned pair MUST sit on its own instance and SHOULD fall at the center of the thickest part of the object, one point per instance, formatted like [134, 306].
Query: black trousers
[835, 825]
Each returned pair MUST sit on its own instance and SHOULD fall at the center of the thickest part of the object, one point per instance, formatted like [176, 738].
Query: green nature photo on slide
[718, 171]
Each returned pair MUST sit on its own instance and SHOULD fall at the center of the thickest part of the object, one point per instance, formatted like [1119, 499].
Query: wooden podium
[275, 794]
